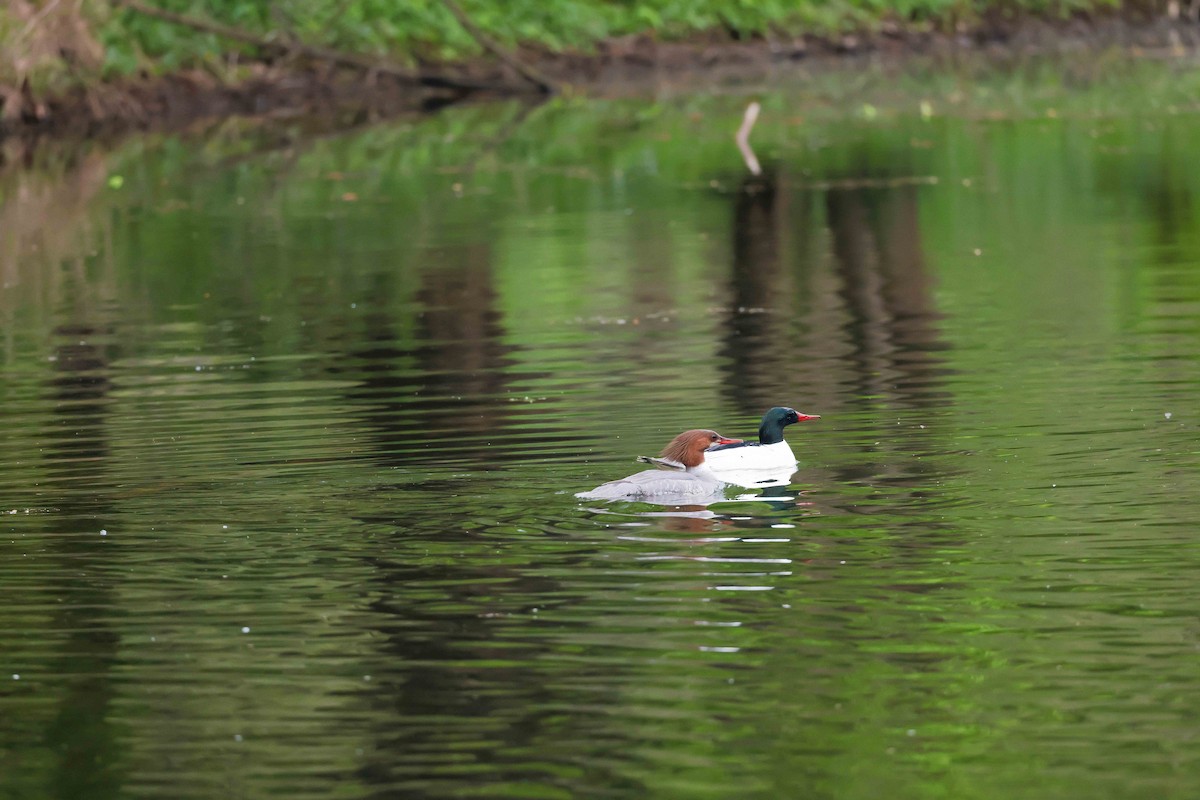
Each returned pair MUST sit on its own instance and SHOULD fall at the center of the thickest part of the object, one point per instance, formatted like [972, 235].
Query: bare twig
[339, 57]
[527, 72]
[743, 138]
[35, 20]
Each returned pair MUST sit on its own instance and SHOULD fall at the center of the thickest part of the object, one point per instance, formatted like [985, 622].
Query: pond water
[293, 422]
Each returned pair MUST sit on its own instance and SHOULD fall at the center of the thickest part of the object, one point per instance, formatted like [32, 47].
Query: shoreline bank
[289, 90]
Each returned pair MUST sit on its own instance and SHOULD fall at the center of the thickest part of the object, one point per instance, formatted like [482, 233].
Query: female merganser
[770, 452]
[687, 478]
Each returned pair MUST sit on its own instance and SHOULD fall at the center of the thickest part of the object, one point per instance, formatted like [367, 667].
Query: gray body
[669, 487]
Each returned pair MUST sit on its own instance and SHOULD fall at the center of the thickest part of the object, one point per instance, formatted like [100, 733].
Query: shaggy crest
[688, 447]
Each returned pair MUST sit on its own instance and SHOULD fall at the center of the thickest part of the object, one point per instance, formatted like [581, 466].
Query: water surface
[293, 426]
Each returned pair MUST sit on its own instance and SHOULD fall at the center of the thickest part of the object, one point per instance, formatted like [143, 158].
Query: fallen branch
[527, 72]
[290, 45]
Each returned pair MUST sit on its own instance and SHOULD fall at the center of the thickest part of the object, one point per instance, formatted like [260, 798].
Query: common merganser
[684, 478]
[770, 452]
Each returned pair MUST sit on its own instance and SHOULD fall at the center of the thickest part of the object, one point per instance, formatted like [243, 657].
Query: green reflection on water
[328, 400]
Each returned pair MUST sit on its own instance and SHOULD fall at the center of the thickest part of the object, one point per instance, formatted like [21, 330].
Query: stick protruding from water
[743, 138]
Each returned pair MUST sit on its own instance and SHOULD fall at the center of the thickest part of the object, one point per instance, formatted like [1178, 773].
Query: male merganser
[770, 452]
[687, 479]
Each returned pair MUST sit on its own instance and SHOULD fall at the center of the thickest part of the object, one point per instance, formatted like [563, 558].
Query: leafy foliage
[426, 29]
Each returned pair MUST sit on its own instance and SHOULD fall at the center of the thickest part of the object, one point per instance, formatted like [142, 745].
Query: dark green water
[293, 424]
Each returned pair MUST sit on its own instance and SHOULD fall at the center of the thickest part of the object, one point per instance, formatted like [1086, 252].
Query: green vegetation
[102, 38]
[427, 28]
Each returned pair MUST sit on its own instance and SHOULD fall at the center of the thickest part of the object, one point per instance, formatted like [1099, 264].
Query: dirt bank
[346, 95]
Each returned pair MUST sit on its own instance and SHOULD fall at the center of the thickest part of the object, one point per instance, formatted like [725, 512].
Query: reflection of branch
[503, 135]
[366, 63]
[743, 138]
[527, 72]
